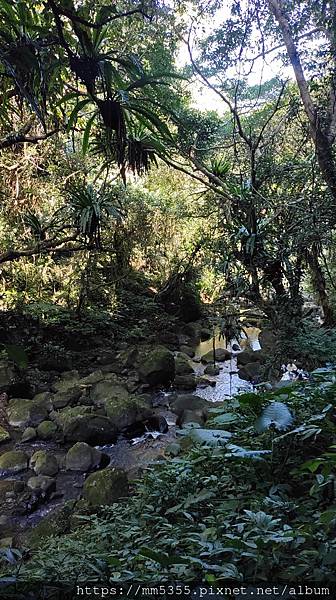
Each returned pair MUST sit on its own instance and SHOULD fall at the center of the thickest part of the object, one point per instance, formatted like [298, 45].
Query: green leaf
[225, 418]
[210, 437]
[86, 135]
[275, 415]
[162, 558]
[75, 112]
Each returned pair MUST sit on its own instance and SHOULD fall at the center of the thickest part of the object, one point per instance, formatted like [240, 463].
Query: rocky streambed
[82, 442]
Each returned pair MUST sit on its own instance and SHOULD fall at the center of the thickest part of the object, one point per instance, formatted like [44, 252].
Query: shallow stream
[134, 455]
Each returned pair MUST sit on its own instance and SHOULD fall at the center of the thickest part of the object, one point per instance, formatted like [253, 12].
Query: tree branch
[19, 138]
[44, 248]
[77, 19]
[226, 100]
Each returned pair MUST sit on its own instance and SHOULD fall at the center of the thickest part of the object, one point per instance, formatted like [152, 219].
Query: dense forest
[167, 294]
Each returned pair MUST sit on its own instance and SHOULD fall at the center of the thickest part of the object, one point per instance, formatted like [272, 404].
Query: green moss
[13, 461]
[105, 487]
[46, 430]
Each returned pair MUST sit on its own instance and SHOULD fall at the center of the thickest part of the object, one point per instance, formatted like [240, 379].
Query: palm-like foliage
[220, 166]
[44, 47]
[36, 226]
[26, 58]
[89, 207]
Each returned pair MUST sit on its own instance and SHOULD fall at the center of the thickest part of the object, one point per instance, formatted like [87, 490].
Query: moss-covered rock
[29, 434]
[185, 382]
[18, 412]
[188, 350]
[106, 486]
[90, 428]
[42, 483]
[4, 435]
[44, 463]
[221, 354]
[250, 371]
[44, 399]
[6, 542]
[93, 378]
[82, 457]
[66, 415]
[123, 409]
[250, 356]
[186, 417]
[47, 430]
[67, 380]
[22, 412]
[124, 414]
[189, 402]
[54, 524]
[211, 370]
[6, 485]
[106, 390]
[183, 364]
[158, 367]
[65, 398]
[13, 461]
[173, 449]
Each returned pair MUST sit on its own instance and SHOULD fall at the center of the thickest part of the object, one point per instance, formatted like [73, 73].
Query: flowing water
[228, 383]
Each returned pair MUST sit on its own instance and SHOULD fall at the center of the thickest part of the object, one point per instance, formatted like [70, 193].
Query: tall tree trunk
[321, 125]
[320, 287]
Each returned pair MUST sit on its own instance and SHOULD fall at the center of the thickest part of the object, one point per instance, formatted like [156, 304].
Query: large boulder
[67, 380]
[212, 370]
[198, 416]
[42, 484]
[22, 412]
[82, 457]
[122, 409]
[29, 434]
[185, 382]
[44, 399]
[106, 390]
[124, 414]
[13, 461]
[250, 356]
[55, 523]
[92, 378]
[183, 364]
[250, 372]
[67, 397]
[44, 463]
[221, 354]
[105, 487]
[158, 367]
[193, 330]
[18, 412]
[189, 402]
[47, 430]
[93, 429]
[64, 416]
[205, 334]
